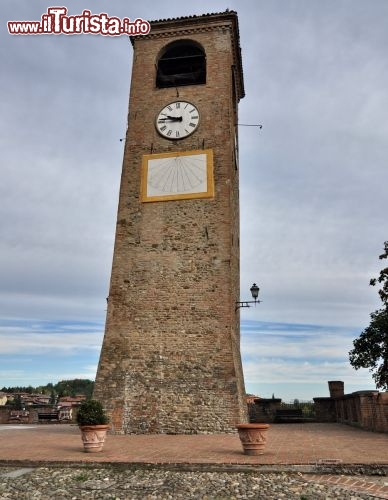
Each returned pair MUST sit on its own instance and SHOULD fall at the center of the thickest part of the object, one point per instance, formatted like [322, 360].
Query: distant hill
[62, 388]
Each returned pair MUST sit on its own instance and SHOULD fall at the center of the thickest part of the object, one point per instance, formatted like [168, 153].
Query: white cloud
[16, 341]
[313, 180]
[274, 371]
[301, 357]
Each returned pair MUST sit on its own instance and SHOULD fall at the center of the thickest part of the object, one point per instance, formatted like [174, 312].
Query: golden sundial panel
[177, 176]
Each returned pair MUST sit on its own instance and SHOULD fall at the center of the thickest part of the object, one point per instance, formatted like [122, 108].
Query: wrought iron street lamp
[255, 293]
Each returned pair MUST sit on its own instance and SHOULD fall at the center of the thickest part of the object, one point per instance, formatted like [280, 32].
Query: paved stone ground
[287, 444]
[301, 461]
[46, 483]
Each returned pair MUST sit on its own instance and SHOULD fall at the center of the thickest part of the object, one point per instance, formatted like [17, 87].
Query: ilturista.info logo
[56, 22]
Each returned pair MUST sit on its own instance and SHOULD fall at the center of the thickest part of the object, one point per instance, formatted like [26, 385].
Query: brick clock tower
[170, 360]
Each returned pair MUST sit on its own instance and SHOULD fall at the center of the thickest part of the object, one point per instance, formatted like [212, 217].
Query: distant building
[71, 400]
[250, 398]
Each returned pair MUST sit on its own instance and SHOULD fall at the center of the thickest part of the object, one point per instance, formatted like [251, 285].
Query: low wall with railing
[9, 415]
[35, 414]
[273, 410]
[263, 410]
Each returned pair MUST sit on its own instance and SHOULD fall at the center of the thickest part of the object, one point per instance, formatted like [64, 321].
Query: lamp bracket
[245, 303]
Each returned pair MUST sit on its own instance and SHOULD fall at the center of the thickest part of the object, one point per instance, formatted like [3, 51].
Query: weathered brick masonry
[170, 360]
[366, 409]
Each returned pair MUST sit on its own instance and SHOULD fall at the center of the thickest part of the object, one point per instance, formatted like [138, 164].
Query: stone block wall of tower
[170, 360]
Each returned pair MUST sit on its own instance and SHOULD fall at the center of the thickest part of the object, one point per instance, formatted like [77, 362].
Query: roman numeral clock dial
[177, 120]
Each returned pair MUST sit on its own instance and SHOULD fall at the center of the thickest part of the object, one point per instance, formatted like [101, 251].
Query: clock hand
[175, 118]
[170, 119]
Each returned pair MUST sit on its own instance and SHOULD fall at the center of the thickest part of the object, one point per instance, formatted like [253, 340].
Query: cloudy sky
[313, 186]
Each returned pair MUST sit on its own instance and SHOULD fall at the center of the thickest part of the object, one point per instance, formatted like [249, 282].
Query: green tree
[383, 278]
[74, 387]
[17, 403]
[371, 347]
[53, 397]
[62, 388]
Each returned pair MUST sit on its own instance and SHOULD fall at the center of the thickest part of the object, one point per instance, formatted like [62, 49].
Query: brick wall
[4, 415]
[170, 361]
[325, 410]
[365, 409]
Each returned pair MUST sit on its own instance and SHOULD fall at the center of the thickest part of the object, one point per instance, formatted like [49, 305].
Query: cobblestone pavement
[120, 483]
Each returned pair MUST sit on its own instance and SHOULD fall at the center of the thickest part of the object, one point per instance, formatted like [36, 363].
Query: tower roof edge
[163, 27]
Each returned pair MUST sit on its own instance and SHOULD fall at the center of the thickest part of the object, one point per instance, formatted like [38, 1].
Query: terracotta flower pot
[93, 437]
[253, 438]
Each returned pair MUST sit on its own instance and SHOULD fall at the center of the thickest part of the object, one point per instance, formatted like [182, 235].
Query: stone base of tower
[186, 398]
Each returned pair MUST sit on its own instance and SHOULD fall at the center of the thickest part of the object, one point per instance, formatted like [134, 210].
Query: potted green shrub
[93, 423]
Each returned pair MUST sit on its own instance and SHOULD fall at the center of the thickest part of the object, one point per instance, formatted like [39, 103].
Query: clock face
[177, 176]
[177, 120]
